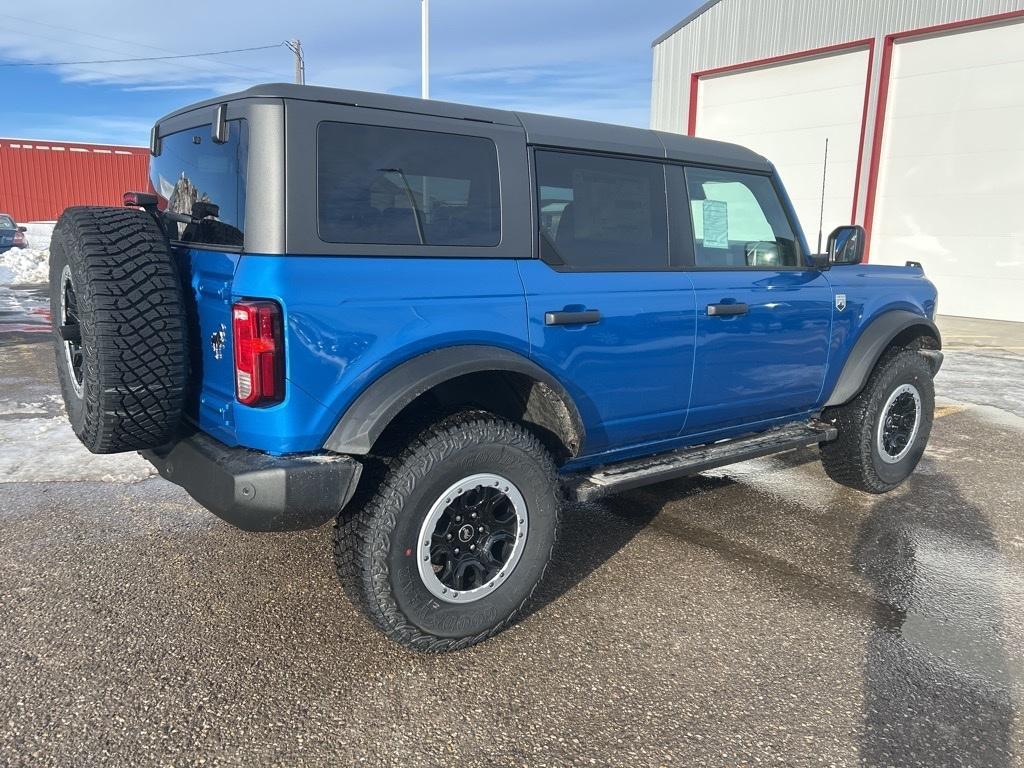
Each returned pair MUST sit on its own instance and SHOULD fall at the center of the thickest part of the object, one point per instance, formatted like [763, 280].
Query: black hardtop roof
[540, 129]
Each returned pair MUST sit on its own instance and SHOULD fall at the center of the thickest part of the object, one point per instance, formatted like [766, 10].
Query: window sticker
[716, 224]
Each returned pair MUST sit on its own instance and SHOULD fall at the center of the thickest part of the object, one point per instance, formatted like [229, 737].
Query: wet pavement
[24, 314]
[757, 615]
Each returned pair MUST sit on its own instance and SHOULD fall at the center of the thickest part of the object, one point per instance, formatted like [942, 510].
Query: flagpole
[425, 49]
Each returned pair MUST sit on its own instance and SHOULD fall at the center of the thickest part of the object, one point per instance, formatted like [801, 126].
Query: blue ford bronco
[437, 323]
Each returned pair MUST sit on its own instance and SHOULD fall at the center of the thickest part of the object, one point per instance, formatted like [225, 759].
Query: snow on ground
[27, 266]
[24, 266]
[39, 234]
[36, 450]
[8, 407]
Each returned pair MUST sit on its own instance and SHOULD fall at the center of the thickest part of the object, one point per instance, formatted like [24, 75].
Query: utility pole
[295, 46]
[425, 49]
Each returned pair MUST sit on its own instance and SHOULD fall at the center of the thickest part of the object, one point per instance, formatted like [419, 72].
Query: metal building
[922, 103]
[39, 179]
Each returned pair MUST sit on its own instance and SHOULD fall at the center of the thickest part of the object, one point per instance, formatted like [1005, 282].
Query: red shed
[39, 179]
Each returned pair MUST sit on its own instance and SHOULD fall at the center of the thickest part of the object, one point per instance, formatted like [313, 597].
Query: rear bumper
[256, 491]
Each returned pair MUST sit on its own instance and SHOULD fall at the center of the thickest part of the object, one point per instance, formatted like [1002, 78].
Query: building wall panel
[950, 188]
[939, 179]
[734, 31]
[731, 32]
[39, 179]
[786, 112]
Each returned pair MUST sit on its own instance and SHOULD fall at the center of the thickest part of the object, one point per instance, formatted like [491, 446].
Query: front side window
[191, 168]
[739, 221]
[396, 186]
[601, 212]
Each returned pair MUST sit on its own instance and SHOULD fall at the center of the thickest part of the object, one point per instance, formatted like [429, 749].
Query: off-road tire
[377, 541]
[853, 458]
[133, 361]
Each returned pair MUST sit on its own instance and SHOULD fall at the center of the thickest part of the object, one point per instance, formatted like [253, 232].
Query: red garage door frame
[937, 30]
[867, 44]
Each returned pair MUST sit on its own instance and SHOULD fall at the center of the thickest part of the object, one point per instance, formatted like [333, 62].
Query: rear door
[763, 314]
[608, 313]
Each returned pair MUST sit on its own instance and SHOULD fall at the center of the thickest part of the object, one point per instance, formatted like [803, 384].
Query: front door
[763, 314]
[608, 315]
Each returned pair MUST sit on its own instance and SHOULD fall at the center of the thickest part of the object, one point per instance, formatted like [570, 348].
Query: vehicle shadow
[937, 689]
[592, 533]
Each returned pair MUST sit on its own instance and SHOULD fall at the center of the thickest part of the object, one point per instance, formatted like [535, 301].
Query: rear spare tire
[120, 330]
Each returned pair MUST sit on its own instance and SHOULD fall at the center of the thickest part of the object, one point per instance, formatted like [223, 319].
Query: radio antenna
[821, 217]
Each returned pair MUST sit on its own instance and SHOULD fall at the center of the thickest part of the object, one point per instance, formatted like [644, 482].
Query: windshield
[193, 168]
[6, 222]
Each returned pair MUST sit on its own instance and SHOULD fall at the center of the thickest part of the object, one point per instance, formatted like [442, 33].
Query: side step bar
[633, 473]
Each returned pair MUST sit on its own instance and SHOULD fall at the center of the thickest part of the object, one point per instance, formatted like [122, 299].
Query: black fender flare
[370, 413]
[870, 346]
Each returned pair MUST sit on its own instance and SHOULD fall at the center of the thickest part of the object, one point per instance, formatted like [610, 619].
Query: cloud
[59, 126]
[584, 58]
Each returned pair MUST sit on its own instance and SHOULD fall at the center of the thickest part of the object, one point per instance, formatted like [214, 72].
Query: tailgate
[208, 277]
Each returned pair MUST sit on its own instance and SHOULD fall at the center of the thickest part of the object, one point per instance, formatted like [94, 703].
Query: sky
[589, 59]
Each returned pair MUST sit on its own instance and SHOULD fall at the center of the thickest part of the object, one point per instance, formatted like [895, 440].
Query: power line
[113, 39]
[146, 58]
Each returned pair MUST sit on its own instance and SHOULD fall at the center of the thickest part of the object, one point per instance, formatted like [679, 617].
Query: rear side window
[601, 212]
[739, 221]
[192, 168]
[396, 186]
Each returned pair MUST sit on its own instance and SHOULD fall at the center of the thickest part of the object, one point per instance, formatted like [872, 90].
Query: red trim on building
[691, 125]
[763, 63]
[863, 131]
[883, 97]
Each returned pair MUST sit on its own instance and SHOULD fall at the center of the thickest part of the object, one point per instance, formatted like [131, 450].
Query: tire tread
[362, 534]
[130, 292]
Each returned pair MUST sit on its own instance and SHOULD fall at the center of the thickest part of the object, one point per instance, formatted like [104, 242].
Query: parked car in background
[11, 235]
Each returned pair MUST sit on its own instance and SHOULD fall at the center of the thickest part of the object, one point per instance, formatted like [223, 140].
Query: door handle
[727, 310]
[586, 317]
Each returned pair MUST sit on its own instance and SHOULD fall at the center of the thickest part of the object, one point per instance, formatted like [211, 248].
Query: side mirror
[23, 229]
[846, 245]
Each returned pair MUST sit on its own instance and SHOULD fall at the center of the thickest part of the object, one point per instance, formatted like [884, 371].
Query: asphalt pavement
[760, 614]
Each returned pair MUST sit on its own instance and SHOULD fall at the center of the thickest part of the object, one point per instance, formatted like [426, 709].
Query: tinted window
[396, 186]
[601, 212]
[6, 222]
[739, 221]
[192, 168]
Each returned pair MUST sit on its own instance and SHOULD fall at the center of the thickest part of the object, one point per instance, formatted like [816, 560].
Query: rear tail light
[19, 240]
[144, 200]
[259, 352]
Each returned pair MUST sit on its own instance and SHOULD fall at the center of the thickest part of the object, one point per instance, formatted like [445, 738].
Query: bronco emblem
[217, 341]
[840, 301]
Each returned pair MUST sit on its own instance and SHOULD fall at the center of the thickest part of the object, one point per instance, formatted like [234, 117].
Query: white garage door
[950, 188]
[785, 112]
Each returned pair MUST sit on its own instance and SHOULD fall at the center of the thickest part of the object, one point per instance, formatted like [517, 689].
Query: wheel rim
[472, 538]
[70, 328]
[899, 423]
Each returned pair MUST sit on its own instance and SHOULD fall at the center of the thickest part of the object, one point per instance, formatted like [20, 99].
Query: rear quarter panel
[349, 320]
